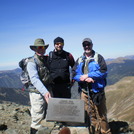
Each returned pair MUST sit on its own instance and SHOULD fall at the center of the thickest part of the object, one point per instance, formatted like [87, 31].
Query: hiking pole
[91, 130]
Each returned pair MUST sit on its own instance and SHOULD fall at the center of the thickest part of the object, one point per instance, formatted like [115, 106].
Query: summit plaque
[65, 110]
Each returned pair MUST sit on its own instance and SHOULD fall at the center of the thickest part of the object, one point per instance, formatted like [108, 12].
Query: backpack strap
[33, 59]
[36, 62]
[82, 58]
[50, 56]
[96, 57]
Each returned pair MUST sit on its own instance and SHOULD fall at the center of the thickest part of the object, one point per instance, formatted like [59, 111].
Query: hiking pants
[38, 109]
[97, 114]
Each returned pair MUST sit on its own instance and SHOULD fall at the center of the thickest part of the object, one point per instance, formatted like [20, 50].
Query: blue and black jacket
[97, 70]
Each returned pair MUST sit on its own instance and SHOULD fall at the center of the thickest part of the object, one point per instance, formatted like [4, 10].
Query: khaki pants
[38, 109]
[97, 114]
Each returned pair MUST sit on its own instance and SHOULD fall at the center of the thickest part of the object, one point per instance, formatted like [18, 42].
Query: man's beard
[87, 50]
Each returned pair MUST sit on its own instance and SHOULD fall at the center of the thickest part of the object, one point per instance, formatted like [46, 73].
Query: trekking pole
[91, 130]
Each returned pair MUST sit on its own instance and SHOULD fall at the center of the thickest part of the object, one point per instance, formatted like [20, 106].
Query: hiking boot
[33, 131]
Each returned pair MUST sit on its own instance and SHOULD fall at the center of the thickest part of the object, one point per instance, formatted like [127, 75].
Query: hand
[47, 96]
[83, 77]
[89, 80]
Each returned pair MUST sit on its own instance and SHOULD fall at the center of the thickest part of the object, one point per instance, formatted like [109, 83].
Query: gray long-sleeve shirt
[34, 77]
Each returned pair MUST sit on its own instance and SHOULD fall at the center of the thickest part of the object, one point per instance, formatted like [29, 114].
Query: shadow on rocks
[3, 127]
[118, 127]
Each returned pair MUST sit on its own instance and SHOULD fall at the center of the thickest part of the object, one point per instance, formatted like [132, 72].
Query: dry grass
[120, 100]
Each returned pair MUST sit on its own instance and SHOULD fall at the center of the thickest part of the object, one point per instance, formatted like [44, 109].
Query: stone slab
[65, 110]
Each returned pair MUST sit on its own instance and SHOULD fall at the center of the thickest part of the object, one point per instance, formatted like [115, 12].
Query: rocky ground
[15, 119]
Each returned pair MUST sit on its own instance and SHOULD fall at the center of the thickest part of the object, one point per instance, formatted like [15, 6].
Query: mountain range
[10, 78]
[117, 69]
[119, 96]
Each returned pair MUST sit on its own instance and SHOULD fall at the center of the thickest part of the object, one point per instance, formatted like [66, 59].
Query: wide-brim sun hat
[39, 42]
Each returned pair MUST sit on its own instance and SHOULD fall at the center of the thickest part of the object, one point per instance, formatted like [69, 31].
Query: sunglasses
[59, 43]
[41, 47]
[86, 44]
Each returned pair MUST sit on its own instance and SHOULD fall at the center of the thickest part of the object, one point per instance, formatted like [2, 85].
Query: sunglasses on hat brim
[41, 47]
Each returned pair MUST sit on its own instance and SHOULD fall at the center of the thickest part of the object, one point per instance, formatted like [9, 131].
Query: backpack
[24, 77]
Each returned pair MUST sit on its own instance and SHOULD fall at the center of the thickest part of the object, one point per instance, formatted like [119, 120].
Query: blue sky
[109, 23]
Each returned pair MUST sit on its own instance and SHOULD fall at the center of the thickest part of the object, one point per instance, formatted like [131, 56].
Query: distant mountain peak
[119, 59]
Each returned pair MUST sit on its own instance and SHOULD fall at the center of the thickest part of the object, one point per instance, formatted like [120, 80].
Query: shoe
[33, 131]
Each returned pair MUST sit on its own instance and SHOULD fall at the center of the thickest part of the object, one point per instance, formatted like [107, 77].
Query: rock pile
[15, 119]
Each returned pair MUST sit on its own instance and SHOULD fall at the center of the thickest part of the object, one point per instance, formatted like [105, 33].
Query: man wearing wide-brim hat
[39, 93]
[39, 42]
